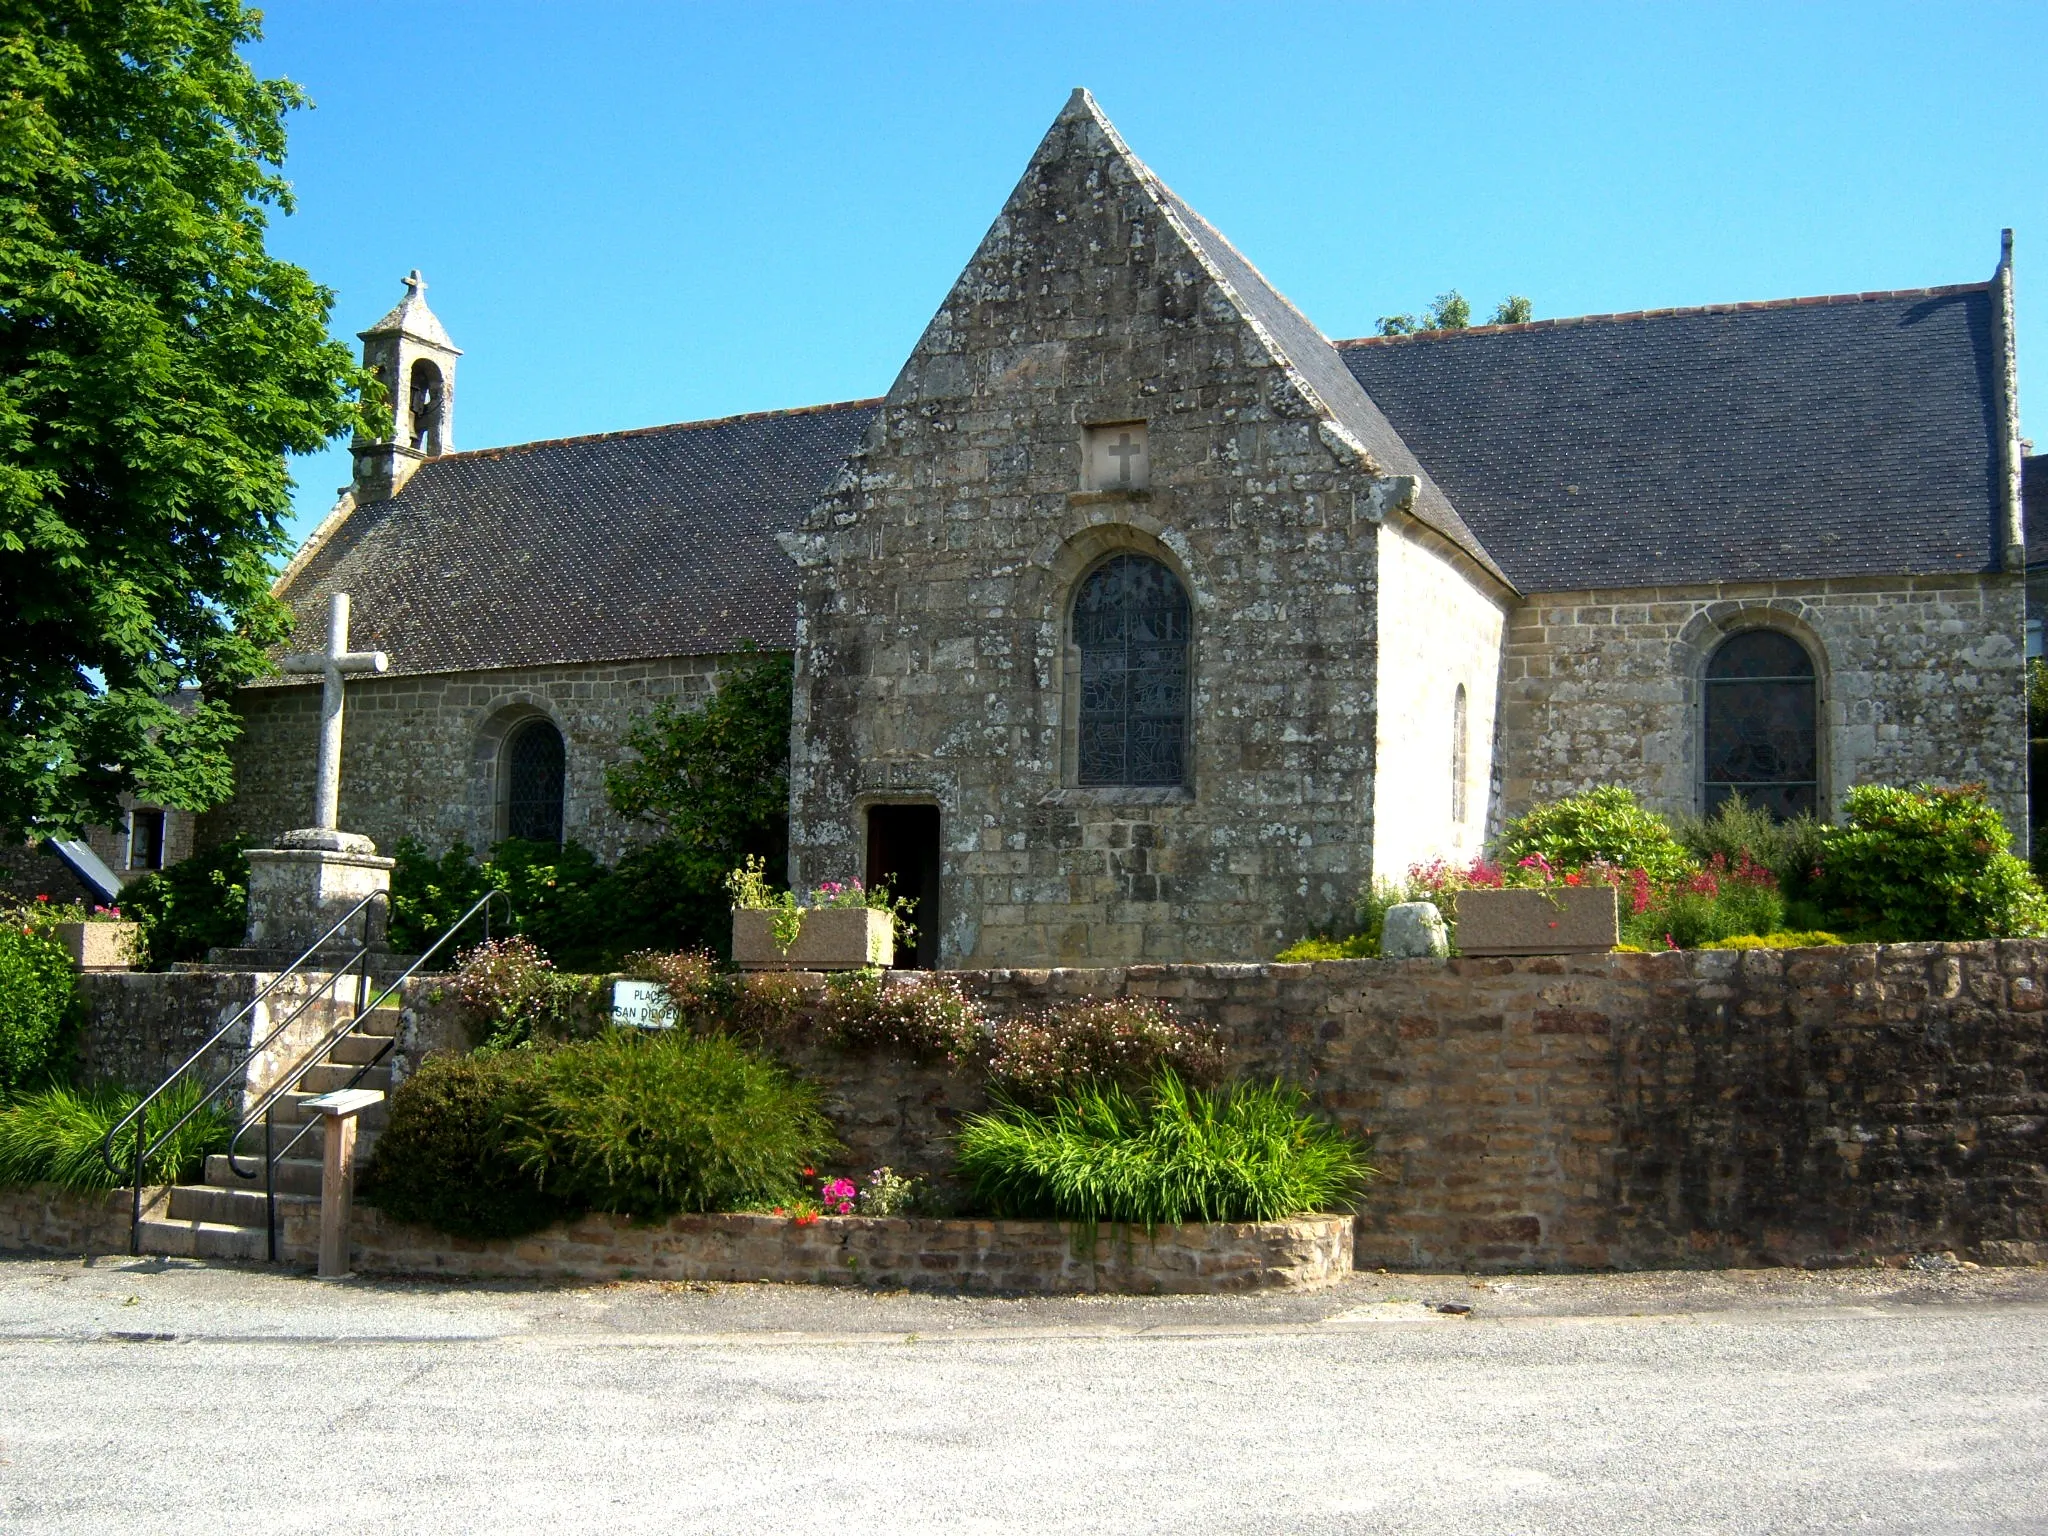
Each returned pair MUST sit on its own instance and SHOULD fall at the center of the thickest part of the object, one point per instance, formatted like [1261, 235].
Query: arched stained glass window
[534, 761]
[1131, 626]
[1762, 724]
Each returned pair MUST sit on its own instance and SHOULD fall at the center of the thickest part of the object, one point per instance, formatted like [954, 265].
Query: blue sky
[641, 213]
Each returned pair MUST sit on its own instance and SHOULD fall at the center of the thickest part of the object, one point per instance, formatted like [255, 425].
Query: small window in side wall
[1762, 725]
[1131, 625]
[534, 775]
[146, 839]
[1458, 755]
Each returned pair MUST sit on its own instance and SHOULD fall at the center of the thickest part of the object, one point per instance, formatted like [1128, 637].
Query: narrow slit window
[1458, 755]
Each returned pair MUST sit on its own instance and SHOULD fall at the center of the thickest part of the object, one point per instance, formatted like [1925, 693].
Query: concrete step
[202, 1239]
[331, 1075]
[381, 1021]
[295, 1175]
[230, 1207]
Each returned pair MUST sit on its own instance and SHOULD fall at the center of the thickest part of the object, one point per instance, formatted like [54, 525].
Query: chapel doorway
[903, 854]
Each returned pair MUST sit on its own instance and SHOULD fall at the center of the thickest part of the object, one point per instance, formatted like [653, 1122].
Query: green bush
[648, 1123]
[1711, 904]
[38, 1000]
[1170, 1154]
[1788, 849]
[1927, 863]
[2037, 697]
[55, 1135]
[1359, 946]
[195, 905]
[1602, 826]
[443, 1159]
[510, 995]
[429, 894]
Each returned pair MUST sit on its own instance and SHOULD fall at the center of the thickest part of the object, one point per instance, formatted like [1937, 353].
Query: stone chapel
[1139, 621]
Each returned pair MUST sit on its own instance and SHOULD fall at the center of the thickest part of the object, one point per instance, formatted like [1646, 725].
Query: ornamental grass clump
[1168, 1153]
[647, 1124]
[55, 1136]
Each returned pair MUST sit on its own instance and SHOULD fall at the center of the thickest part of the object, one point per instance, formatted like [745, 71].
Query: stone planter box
[831, 939]
[1562, 920]
[100, 946]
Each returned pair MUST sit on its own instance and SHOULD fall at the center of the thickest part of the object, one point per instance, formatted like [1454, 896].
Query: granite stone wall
[1921, 678]
[1010, 1257]
[1728, 1107]
[934, 651]
[420, 754]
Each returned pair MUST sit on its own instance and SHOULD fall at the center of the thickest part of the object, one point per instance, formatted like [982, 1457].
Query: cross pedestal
[315, 874]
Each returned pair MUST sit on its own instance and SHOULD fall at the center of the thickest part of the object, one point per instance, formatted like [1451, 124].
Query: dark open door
[903, 854]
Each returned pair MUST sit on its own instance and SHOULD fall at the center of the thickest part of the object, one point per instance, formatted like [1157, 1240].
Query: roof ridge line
[672, 426]
[1744, 307]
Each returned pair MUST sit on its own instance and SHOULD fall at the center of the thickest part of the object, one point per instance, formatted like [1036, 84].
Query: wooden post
[337, 1173]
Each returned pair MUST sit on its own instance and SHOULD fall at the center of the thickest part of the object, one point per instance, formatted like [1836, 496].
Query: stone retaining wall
[1728, 1107]
[1017, 1257]
[43, 1219]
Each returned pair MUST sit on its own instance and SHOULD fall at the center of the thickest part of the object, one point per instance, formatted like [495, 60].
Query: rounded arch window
[534, 774]
[1131, 626]
[1762, 724]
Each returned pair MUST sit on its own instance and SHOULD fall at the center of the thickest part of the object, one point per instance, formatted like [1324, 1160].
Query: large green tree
[156, 366]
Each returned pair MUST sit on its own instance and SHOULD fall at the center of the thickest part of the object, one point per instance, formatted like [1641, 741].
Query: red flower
[1572, 878]
[809, 1171]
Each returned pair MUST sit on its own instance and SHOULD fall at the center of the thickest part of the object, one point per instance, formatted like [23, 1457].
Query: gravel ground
[149, 1395]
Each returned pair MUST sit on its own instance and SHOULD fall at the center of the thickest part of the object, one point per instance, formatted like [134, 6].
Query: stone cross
[332, 665]
[1123, 450]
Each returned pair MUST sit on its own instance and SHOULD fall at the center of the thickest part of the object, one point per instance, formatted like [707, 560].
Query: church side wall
[418, 753]
[1921, 678]
[1440, 628]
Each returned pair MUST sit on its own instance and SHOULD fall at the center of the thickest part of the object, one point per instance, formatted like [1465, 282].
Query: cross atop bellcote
[331, 666]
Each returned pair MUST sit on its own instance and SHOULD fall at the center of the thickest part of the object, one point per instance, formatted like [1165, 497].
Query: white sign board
[641, 1005]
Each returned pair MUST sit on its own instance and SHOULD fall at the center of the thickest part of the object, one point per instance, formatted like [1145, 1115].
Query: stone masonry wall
[934, 662]
[1921, 678]
[1618, 1110]
[420, 753]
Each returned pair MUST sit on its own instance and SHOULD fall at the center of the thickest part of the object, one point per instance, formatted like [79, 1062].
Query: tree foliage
[1452, 311]
[156, 366]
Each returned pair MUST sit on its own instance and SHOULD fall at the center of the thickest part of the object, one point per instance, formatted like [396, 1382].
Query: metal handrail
[138, 1116]
[284, 1085]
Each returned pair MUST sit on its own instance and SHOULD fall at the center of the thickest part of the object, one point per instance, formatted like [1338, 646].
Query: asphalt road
[167, 1397]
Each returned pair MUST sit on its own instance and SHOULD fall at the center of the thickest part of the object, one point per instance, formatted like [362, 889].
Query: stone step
[291, 1111]
[331, 1075]
[202, 1239]
[295, 1175]
[382, 1022]
[358, 1046]
[231, 1207]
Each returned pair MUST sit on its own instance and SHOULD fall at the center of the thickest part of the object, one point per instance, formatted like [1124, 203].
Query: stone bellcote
[411, 355]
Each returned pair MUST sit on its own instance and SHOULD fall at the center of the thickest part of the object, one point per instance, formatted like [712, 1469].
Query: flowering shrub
[837, 1197]
[1928, 863]
[927, 1021]
[1602, 826]
[1113, 1040]
[889, 1193]
[510, 996]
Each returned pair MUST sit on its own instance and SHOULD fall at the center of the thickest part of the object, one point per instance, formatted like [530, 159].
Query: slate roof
[1313, 354]
[1801, 439]
[623, 546]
